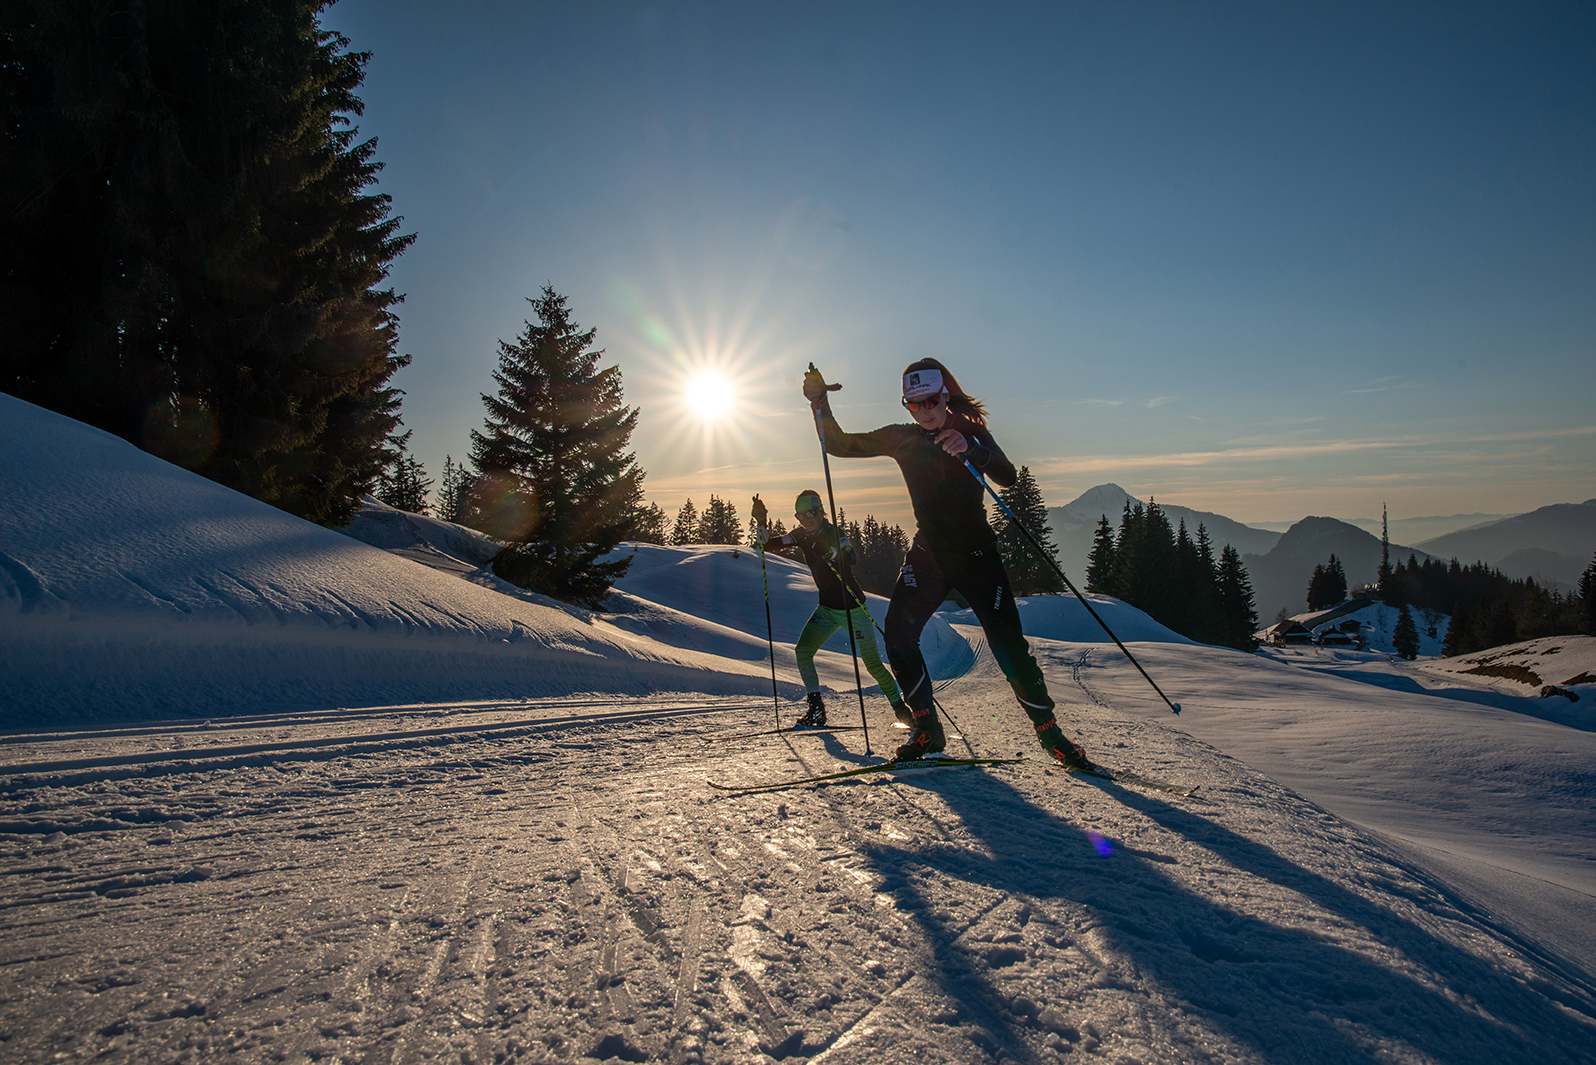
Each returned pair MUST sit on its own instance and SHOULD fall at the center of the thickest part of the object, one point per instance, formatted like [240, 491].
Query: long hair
[959, 401]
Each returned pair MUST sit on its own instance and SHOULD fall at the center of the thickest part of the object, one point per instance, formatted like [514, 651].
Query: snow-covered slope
[1387, 861]
[132, 588]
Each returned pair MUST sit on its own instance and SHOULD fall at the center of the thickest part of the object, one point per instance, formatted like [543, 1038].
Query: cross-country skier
[953, 546]
[822, 546]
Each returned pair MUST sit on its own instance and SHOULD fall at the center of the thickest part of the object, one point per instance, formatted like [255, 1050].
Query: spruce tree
[1029, 572]
[649, 526]
[1238, 612]
[685, 530]
[719, 524]
[1100, 563]
[454, 491]
[404, 482]
[1406, 637]
[191, 258]
[1587, 595]
[553, 451]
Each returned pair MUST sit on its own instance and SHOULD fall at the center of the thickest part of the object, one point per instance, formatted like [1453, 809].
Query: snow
[274, 793]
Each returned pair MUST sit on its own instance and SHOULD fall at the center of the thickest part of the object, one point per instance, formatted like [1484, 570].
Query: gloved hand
[759, 512]
[815, 387]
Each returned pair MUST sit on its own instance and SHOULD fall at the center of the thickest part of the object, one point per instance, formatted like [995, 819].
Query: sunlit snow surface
[505, 850]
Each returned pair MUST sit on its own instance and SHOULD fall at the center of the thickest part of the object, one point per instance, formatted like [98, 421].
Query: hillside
[1280, 577]
[1554, 543]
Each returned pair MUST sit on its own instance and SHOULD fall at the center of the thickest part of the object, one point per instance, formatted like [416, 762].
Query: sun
[710, 395]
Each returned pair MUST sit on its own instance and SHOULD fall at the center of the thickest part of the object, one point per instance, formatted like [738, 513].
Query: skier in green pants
[822, 547]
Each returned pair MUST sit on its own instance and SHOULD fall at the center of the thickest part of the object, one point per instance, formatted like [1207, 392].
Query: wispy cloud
[1102, 402]
[1158, 401]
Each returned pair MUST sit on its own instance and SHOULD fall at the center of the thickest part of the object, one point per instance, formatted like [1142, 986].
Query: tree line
[1488, 608]
[1174, 577]
[190, 254]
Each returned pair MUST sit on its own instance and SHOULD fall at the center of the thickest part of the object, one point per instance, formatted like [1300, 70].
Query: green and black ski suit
[822, 551]
[954, 547]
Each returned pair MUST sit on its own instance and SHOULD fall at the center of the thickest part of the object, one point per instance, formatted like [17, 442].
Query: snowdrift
[132, 588]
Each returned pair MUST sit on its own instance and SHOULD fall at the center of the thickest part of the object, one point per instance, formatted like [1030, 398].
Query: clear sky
[1266, 259]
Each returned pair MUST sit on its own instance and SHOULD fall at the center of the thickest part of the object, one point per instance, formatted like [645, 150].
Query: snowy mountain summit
[272, 792]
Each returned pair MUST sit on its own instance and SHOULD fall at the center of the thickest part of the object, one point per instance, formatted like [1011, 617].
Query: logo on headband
[922, 383]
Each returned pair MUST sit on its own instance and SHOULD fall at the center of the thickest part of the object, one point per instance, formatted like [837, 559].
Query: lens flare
[710, 396]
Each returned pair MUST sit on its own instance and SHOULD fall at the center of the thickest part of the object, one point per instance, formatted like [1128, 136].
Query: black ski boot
[1067, 754]
[927, 737]
[817, 712]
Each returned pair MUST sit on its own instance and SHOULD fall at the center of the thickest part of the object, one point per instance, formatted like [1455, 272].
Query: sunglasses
[914, 406]
[818, 512]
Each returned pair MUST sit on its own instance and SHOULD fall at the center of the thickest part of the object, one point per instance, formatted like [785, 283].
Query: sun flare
[710, 396]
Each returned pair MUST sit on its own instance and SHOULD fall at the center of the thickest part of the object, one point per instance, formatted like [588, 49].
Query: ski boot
[817, 712]
[901, 711]
[927, 738]
[1066, 753]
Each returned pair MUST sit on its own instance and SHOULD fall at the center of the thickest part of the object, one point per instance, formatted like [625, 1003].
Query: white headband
[919, 383]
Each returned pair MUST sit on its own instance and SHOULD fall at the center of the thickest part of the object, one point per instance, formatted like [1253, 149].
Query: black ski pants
[923, 585]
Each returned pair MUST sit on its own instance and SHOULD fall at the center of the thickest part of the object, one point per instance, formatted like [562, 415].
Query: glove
[758, 511]
[815, 387]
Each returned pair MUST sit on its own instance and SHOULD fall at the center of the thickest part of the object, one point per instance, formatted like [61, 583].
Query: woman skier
[823, 548]
[953, 546]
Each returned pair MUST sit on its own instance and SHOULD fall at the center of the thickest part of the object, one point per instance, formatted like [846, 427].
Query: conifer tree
[1406, 637]
[553, 453]
[404, 482]
[685, 530]
[1100, 563]
[649, 526]
[719, 524]
[1029, 572]
[1238, 612]
[1587, 594]
[454, 491]
[191, 255]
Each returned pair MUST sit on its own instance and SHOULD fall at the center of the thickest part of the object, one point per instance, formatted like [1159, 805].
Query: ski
[885, 767]
[790, 728]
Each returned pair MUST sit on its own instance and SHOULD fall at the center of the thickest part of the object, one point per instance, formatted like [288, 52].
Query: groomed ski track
[551, 881]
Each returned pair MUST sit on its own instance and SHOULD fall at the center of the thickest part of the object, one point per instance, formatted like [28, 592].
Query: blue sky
[1267, 260]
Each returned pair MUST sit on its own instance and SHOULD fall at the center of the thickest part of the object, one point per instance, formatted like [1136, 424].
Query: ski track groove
[524, 896]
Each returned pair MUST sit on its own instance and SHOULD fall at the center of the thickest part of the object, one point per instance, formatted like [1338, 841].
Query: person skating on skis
[822, 548]
[953, 546]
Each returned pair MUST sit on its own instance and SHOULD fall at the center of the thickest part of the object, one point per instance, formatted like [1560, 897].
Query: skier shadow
[1289, 992]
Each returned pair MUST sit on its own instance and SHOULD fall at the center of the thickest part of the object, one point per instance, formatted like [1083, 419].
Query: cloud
[1102, 402]
[1158, 401]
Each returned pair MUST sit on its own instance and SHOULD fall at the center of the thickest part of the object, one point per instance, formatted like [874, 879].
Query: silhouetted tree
[1238, 612]
[189, 253]
[1029, 572]
[649, 526]
[1327, 586]
[404, 482]
[557, 481]
[1100, 563]
[719, 524]
[454, 491]
[1406, 637]
[685, 530]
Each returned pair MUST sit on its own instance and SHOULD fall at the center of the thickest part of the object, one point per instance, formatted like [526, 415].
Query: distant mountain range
[1553, 544]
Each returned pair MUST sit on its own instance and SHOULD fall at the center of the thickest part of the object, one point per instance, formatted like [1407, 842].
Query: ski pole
[770, 630]
[1067, 582]
[939, 707]
[842, 556]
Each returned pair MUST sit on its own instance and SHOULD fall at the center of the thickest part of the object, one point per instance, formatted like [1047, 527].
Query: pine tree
[685, 531]
[1327, 586]
[454, 491]
[1100, 563]
[1587, 595]
[1029, 572]
[1406, 637]
[1238, 614]
[554, 462]
[649, 526]
[403, 483]
[719, 524]
[191, 256]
